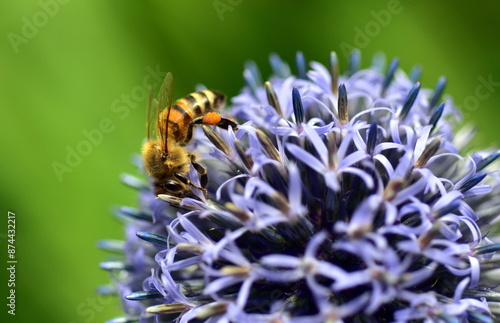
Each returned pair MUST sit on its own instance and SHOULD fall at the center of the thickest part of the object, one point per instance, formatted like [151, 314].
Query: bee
[165, 157]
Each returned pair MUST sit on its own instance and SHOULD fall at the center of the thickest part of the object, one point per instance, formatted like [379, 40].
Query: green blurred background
[69, 68]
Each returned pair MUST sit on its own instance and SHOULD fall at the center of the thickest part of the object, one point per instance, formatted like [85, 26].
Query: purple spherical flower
[340, 198]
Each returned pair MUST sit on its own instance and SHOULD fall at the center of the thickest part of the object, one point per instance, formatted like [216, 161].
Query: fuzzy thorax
[160, 165]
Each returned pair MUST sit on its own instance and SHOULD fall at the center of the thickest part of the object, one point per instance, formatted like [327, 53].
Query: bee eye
[173, 186]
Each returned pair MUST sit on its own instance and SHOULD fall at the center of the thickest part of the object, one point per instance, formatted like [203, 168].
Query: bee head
[165, 168]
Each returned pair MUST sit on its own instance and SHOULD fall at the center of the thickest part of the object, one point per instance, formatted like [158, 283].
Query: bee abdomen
[197, 104]
[218, 99]
[190, 107]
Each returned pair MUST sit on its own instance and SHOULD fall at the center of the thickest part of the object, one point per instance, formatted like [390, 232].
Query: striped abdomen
[190, 107]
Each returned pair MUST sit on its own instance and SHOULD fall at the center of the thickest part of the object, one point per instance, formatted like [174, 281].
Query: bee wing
[152, 112]
[165, 93]
[154, 126]
[164, 102]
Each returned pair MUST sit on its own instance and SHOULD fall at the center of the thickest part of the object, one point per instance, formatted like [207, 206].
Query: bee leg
[201, 170]
[211, 118]
[196, 122]
[189, 133]
[203, 174]
[225, 123]
[186, 181]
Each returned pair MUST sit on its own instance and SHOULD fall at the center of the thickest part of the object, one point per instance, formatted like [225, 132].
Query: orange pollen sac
[212, 118]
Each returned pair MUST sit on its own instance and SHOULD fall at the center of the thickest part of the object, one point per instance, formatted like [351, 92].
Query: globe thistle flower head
[340, 198]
